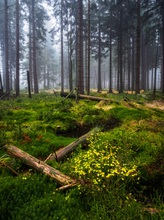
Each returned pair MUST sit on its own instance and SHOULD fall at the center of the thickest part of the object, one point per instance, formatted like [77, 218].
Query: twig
[10, 168]
[66, 186]
[48, 157]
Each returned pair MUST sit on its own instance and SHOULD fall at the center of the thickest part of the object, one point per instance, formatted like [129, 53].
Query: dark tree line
[104, 44]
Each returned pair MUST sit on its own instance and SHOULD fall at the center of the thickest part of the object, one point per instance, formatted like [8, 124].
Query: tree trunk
[85, 63]
[147, 68]
[61, 153]
[30, 49]
[152, 76]
[138, 48]
[121, 53]
[36, 89]
[28, 83]
[133, 62]
[162, 74]
[17, 47]
[155, 74]
[143, 71]
[70, 56]
[89, 45]
[118, 64]
[110, 62]
[33, 162]
[129, 63]
[48, 77]
[99, 51]
[7, 81]
[1, 85]
[80, 77]
[62, 59]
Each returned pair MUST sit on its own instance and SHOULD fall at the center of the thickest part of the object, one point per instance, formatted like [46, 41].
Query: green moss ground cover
[121, 168]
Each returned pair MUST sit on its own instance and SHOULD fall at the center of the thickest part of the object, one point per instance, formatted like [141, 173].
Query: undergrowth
[120, 168]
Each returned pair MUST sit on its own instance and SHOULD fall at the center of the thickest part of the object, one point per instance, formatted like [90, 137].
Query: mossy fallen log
[94, 98]
[61, 153]
[81, 96]
[66, 94]
[39, 165]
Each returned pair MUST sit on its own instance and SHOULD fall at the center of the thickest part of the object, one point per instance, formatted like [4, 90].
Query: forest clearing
[114, 172]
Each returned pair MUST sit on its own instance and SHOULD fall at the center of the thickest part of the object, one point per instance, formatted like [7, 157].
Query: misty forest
[81, 109]
[112, 45]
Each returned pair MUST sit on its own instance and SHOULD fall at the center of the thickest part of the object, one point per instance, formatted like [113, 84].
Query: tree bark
[162, 74]
[129, 63]
[62, 58]
[143, 71]
[28, 83]
[155, 74]
[80, 78]
[121, 51]
[30, 49]
[59, 177]
[1, 86]
[138, 47]
[7, 77]
[110, 62]
[36, 88]
[17, 48]
[99, 52]
[70, 56]
[89, 45]
[133, 62]
[61, 153]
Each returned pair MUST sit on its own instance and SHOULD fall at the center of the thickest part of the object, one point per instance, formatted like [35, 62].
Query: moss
[130, 146]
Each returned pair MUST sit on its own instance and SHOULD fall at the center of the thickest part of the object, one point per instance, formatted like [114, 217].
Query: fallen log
[61, 153]
[81, 96]
[93, 98]
[68, 95]
[39, 165]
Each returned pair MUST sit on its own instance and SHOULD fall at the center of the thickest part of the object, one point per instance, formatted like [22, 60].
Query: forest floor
[119, 169]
